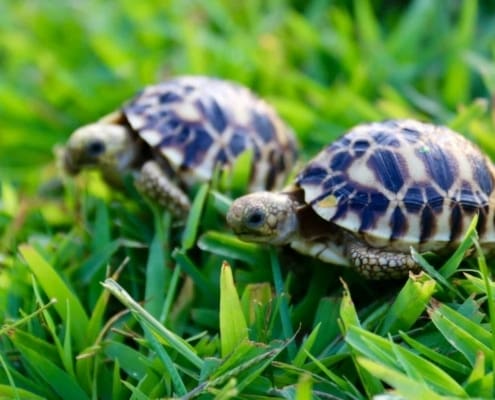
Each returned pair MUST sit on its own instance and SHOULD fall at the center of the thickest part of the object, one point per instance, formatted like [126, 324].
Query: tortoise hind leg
[154, 183]
[373, 263]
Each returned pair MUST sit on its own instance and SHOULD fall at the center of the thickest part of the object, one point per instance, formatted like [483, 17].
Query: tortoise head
[111, 147]
[264, 217]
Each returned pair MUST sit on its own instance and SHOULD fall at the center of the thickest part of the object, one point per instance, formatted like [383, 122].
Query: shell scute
[169, 97]
[340, 161]
[263, 125]
[440, 164]
[238, 142]
[358, 201]
[383, 138]
[481, 226]
[360, 147]
[468, 200]
[212, 112]
[195, 149]
[334, 181]
[434, 199]
[368, 220]
[455, 222]
[314, 175]
[410, 134]
[398, 224]
[481, 174]
[379, 201]
[413, 200]
[389, 168]
[427, 224]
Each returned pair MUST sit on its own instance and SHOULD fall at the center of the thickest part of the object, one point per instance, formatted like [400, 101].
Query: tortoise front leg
[154, 183]
[373, 263]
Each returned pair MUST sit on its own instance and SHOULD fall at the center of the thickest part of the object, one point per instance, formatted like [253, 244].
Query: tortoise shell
[197, 122]
[402, 183]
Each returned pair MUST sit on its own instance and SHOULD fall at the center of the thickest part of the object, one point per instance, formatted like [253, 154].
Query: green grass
[102, 297]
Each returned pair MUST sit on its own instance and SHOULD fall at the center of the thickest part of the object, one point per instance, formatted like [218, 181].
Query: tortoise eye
[95, 148]
[255, 218]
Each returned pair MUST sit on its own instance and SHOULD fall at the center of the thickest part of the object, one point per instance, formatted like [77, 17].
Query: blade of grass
[99, 259]
[187, 265]
[438, 358]
[304, 387]
[334, 377]
[450, 267]
[157, 273]
[456, 88]
[233, 327]
[247, 362]
[430, 269]
[144, 317]
[306, 347]
[255, 298]
[221, 203]
[55, 287]
[13, 388]
[403, 40]
[283, 305]
[11, 392]
[409, 304]
[468, 114]
[130, 360]
[101, 236]
[480, 383]
[238, 178]
[489, 292]
[167, 362]
[194, 218]
[60, 382]
[327, 314]
[348, 320]
[403, 385]
[229, 246]
[463, 334]
[172, 290]
[117, 391]
[389, 355]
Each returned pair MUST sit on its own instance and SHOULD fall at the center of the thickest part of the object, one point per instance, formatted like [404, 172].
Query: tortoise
[376, 192]
[173, 134]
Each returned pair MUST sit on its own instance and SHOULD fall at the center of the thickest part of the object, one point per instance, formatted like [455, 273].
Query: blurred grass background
[326, 66]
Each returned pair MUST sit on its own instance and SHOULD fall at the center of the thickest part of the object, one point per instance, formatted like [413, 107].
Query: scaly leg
[373, 263]
[154, 183]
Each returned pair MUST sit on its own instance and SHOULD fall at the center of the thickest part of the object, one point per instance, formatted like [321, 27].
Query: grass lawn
[103, 297]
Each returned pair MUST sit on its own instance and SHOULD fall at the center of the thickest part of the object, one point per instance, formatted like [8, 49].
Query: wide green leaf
[60, 382]
[233, 326]
[68, 304]
[382, 351]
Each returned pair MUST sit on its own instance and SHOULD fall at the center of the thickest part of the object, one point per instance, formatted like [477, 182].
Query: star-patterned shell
[197, 122]
[403, 183]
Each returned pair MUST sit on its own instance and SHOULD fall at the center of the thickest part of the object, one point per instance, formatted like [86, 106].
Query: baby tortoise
[370, 196]
[173, 134]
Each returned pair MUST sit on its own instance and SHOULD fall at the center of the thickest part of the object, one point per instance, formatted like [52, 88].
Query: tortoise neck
[311, 225]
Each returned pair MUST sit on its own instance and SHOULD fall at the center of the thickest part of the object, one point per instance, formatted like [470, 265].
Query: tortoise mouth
[253, 237]
[70, 165]
[73, 163]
